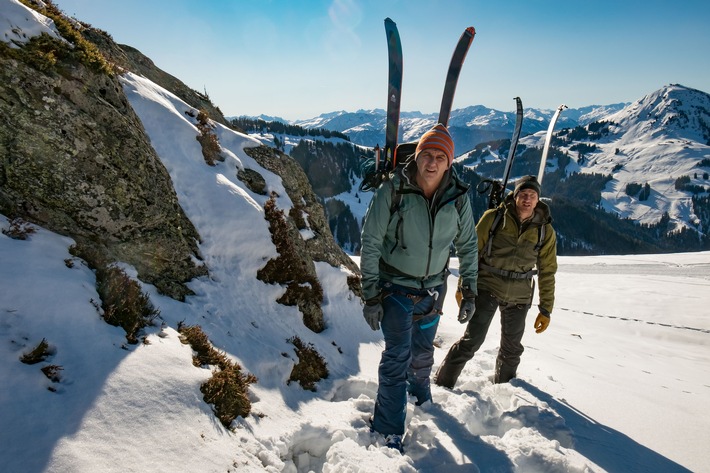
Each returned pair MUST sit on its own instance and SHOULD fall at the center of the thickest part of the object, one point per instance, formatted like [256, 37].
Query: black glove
[468, 304]
[373, 313]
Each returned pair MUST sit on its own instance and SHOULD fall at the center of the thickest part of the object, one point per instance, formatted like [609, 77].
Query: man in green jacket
[410, 224]
[522, 244]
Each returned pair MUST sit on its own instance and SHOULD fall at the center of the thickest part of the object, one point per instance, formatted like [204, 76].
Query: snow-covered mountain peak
[674, 111]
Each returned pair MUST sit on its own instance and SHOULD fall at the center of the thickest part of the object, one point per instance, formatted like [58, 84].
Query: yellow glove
[541, 323]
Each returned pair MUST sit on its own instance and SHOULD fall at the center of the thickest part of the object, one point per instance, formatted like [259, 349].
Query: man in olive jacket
[410, 224]
[523, 244]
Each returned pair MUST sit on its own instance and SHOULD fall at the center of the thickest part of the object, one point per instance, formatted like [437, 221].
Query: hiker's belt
[388, 268]
[508, 274]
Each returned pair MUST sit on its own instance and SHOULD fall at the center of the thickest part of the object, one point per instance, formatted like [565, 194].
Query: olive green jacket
[410, 245]
[513, 249]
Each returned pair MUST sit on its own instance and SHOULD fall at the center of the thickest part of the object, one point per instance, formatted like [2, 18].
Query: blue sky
[298, 59]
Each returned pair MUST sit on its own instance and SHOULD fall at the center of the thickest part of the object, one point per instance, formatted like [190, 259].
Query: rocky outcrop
[75, 159]
[321, 246]
[294, 267]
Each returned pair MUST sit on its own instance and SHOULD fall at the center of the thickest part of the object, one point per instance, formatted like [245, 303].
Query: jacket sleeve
[466, 244]
[374, 229]
[547, 267]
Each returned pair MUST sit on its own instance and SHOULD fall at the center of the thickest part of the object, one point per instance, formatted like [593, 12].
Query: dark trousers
[409, 328]
[512, 320]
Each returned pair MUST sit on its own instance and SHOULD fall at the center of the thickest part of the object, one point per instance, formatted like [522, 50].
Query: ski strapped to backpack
[548, 139]
[405, 151]
[375, 171]
[452, 76]
[497, 194]
[497, 188]
[394, 93]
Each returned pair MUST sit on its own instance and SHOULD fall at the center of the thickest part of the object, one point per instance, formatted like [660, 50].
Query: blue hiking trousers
[409, 327]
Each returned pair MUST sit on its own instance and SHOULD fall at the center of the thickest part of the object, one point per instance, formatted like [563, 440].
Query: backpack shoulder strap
[396, 197]
[494, 227]
[540, 238]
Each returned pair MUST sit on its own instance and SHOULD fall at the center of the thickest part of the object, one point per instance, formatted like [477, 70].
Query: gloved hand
[468, 304]
[373, 312]
[541, 322]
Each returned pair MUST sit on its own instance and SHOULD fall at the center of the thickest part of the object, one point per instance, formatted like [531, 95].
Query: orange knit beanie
[438, 138]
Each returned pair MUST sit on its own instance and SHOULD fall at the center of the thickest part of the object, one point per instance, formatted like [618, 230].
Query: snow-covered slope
[619, 382]
[626, 354]
[656, 140]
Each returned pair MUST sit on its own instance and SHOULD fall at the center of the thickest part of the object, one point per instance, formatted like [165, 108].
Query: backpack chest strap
[507, 274]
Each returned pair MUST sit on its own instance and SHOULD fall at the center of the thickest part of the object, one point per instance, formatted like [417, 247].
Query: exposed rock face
[322, 247]
[294, 268]
[75, 158]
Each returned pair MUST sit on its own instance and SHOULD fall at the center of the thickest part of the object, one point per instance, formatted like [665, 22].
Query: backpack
[487, 251]
[494, 228]
[377, 170]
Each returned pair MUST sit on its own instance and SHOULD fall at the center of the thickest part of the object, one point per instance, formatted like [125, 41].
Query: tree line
[257, 125]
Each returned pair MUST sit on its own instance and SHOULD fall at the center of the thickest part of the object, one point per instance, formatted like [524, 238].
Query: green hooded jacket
[513, 249]
[410, 246]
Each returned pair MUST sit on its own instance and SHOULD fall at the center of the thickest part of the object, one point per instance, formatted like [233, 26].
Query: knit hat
[438, 138]
[527, 182]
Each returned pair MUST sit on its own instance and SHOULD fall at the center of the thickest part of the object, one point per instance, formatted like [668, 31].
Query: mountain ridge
[468, 124]
[658, 142]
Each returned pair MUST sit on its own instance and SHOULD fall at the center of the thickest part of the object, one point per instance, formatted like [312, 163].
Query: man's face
[432, 163]
[525, 203]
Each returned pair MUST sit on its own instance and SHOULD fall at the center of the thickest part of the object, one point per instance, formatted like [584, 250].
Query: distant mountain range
[645, 162]
[469, 126]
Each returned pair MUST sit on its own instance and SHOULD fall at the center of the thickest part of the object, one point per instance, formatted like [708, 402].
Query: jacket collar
[409, 174]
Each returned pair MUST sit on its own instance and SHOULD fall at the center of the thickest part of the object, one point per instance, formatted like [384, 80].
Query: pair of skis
[387, 158]
[497, 188]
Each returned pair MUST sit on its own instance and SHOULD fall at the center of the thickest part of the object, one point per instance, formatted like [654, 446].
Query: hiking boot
[504, 372]
[447, 374]
[426, 406]
[394, 441]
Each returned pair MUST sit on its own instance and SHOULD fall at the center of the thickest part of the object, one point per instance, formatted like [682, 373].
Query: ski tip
[389, 20]
[471, 30]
